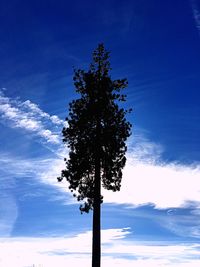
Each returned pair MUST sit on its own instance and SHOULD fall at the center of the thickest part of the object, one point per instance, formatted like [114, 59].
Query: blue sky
[154, 219]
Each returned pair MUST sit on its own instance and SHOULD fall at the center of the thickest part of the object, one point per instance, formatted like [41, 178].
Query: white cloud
[49, 136]
[34, 108]
[29, 117]
[146, 178]
[28, 124]
[56, 120]
[76, 251]
[164, 185]
[144, 181]
[42, 170]
[142, 149]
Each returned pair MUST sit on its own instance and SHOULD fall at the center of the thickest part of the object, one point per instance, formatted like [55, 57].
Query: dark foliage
[97, 130]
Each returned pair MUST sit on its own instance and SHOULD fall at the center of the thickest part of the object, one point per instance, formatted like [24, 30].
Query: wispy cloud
[46, 129]
[147, 179]
[29, 117]
[116, 251]
[196, 13]
[43, 170]
[182, 222]
[27, 171]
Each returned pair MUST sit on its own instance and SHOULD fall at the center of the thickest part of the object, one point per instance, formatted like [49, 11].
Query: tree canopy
[97, 131]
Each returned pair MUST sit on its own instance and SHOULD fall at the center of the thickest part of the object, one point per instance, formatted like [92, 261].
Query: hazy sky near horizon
[154, 219]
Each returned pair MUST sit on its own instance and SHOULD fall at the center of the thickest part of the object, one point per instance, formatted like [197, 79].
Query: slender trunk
[96, 239]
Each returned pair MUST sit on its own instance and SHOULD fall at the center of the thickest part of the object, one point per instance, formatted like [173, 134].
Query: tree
[96, 134]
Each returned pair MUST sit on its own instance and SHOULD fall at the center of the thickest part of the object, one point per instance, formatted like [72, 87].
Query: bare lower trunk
[96, 239]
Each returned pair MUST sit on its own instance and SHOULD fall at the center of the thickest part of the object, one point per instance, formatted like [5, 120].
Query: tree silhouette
[96, 134]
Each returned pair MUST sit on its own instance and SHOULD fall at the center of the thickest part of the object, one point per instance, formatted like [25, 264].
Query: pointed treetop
[100, 64]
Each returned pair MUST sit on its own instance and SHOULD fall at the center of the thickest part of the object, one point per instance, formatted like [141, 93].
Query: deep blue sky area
[156, 46]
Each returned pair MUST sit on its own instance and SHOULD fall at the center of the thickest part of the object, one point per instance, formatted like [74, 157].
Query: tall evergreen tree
[96, 134]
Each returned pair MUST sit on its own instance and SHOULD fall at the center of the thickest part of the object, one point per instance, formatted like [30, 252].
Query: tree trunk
[96, 239]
